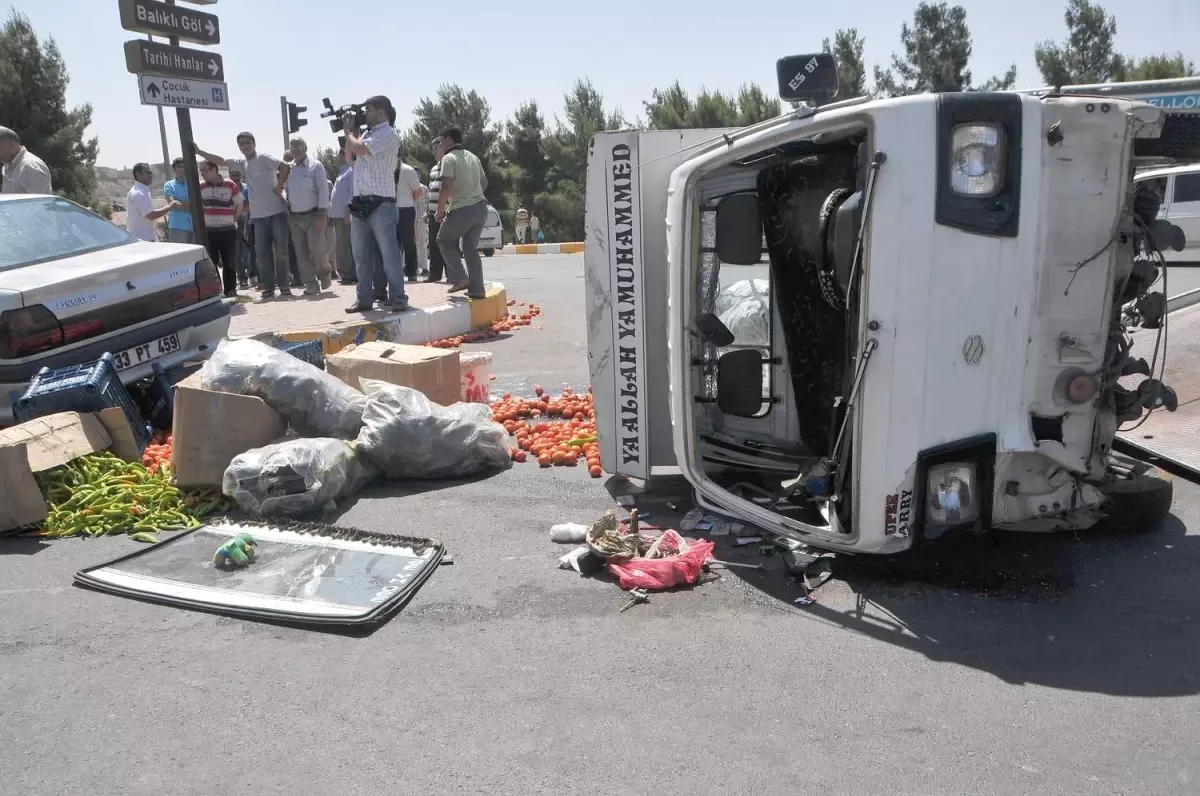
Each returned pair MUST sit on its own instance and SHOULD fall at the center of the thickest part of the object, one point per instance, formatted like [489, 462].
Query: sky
[627, 48]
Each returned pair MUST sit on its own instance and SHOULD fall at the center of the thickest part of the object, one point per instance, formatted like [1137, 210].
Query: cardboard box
[211, 428]
[22, 503]
[433, 371]
[36, 446]
[55, 440]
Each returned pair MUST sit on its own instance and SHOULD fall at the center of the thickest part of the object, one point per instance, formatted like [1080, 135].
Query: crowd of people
[283, 224]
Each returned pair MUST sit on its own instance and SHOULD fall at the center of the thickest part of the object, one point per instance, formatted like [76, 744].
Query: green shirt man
[466, 171]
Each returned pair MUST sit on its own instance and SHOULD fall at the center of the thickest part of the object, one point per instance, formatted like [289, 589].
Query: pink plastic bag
[657, 574]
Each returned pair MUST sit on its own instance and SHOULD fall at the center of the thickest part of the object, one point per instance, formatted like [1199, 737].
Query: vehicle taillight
[28, 331]
[208, 280]
[74, 331]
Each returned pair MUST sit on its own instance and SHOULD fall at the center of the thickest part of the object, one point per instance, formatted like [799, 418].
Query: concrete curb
[415, 327]
[547, 248]
[1183, 300]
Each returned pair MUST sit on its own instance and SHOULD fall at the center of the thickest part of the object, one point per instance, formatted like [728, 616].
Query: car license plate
[132, 357]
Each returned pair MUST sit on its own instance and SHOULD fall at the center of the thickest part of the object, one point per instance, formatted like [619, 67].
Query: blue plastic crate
[159, 405]
[91, 387]
[310, 351]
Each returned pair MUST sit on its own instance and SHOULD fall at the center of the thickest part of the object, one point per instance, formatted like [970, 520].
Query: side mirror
[807, 78]
[740, 383]
[713, 331]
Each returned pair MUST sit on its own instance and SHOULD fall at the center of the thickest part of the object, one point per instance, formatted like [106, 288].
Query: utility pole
[162, 135]
[283, 120]
[188, 144]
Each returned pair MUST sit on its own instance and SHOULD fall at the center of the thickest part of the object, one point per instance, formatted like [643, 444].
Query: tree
[1087, 55]
[937, 49]
[33, 102]
[560, 205]
[672, 109]
[471, 113]
[524, 152]
[847, 50]
[327, 156]
[1157, 67]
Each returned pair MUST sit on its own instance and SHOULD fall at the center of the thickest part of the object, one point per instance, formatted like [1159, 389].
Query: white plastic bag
[296, 476]
[737, 292]
[409, 436]
[750, 322]
[314, 403]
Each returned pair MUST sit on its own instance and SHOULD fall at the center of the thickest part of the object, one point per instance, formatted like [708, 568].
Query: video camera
[337, 117]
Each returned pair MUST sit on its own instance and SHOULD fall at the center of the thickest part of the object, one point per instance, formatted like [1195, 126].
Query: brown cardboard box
[34, 447]
[211, 428]
[20, 499]
[54, 440]
[433, 371]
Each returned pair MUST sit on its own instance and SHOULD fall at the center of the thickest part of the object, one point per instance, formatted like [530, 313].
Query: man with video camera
[373, 213]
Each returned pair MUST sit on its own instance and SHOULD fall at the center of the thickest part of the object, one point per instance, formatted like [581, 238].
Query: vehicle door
[1183, 209]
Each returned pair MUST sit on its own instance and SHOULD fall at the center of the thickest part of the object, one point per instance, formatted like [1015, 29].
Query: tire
[488, 252]
[1139, 501]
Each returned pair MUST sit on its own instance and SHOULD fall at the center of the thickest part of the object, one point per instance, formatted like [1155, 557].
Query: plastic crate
[310, 351]
[159, 395]
[91, 387]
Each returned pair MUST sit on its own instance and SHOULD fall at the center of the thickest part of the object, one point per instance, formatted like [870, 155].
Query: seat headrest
[739, 230]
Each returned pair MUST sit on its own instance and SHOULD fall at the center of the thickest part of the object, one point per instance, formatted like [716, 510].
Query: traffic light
[294, 120]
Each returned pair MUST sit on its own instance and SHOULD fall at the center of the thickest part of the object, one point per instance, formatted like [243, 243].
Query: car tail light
[74, 331]
[208, 280]
[28, 331]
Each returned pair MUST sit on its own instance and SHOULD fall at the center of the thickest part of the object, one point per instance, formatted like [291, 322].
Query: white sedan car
[74, 286]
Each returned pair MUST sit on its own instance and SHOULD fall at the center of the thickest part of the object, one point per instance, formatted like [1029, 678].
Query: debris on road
[636, 596]
[240, 551]
[296, 476]
[556, 432]
[522, 316]
[409, 436]
[568, 533]
[100, 494]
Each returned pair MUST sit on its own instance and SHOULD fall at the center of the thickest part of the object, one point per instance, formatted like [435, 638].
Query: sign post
[179, 77]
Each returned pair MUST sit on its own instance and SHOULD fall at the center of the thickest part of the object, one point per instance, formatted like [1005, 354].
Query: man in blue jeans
[268, 213]
[373, 214]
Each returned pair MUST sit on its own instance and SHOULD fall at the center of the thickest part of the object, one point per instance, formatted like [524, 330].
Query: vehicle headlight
[977, 160]
[953, 494]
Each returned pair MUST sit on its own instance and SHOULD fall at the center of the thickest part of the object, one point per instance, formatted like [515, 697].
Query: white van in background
[492, 239]
[1179, 189]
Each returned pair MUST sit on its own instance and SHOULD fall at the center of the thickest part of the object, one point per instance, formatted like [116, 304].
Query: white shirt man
[140, 214]
[22, 171]
[408, 186]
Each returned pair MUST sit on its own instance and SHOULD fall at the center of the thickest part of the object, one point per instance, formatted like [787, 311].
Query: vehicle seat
[791, 198]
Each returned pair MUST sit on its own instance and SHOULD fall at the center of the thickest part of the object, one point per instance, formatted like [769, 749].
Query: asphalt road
[1051, 665]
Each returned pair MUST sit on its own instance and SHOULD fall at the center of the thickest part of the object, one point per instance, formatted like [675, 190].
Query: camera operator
[373, 214]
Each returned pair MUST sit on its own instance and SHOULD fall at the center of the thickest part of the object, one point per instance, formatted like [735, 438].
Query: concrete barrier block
[448, 320]
[412, 327]
[492, 308]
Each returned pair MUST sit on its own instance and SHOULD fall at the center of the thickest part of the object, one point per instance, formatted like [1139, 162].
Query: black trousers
[406, 235]
[437, 265]
[222, 250]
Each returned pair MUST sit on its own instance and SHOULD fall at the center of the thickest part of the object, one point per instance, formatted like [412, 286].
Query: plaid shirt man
[375, 175]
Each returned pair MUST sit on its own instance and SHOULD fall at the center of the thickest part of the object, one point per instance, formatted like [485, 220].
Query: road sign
[174, 92]
[144, 57]
[155, 18]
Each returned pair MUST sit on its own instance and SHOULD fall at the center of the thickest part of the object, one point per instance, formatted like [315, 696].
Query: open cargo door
[625, 268]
